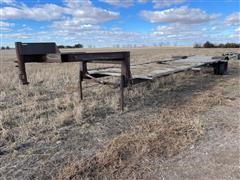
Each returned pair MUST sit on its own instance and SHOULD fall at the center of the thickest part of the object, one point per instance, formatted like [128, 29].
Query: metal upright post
[82, 72]
[122, 83]
[21, 64]
[80, 85]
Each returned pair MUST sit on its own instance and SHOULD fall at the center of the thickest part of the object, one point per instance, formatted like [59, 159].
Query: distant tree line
[211, 45]
[3, 47]
[75, 46]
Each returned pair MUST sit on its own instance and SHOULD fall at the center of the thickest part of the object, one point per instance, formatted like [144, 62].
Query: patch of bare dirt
[215, 156]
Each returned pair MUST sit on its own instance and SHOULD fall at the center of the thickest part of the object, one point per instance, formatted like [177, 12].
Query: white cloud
[82, 11]
[120, 3]
[233, 19]
[99, 36]
[90, 14]
[80, 17]
[183, 15]
[157, 3]
[7, 1]
[5, 24]
[168, 30]
[77, 3]
[166, 3]
[94, 34]
[76, 20]
[178, 31]
[237, 30]
[16, 36]
[38, 13]
[193, 33]
[163, 3]
[74, 25]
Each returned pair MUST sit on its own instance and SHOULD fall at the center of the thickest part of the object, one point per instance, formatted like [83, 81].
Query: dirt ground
[216, 155]
[43, 127]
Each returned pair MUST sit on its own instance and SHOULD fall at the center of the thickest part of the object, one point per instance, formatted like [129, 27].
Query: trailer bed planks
[153, 70]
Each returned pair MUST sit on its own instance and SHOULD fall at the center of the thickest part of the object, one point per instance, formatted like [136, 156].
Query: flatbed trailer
[128, 74]
[156, 69]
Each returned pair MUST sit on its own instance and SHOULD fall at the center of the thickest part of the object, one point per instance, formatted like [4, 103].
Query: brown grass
[45, 118]
[163, 134]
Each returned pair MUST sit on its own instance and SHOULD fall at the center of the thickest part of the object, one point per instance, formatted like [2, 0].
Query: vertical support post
[125, 76]
[80, 85]
[125, 68]
[83, 67]
[82, 72]
[122, 83]
[21, 64]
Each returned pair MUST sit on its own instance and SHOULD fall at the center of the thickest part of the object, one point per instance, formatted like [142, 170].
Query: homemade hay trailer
[128, 74]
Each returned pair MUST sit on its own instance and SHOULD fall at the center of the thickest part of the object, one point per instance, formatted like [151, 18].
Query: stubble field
[45, 132]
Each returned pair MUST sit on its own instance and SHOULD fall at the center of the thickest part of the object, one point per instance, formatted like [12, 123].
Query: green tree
[208, 45]
[78, 46]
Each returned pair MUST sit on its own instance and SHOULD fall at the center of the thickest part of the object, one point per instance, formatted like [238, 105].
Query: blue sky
[107, 23]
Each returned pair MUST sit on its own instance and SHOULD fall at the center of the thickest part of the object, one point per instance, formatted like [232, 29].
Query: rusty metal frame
[37, 52]
[121, 58]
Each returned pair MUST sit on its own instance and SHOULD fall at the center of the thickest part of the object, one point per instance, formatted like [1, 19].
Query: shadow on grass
[164, 92]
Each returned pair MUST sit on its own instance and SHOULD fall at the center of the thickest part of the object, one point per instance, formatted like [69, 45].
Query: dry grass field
[185, 126]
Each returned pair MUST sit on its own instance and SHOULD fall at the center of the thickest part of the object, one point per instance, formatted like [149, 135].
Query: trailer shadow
[161, 93]
[179, 92]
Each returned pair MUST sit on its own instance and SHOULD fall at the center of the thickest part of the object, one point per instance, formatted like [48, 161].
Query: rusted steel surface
[21, 64]
[49, 53]
[101, 57]
[33, 52]
[122, 58]
[100, 81]
[38, 48]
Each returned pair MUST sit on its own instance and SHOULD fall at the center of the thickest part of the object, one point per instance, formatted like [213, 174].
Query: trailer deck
[153, 70]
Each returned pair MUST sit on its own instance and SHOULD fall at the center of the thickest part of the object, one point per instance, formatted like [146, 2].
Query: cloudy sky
[111, 22]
